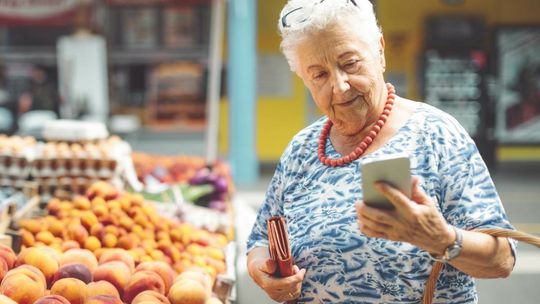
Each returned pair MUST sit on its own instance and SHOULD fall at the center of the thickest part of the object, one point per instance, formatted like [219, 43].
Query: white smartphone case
[394, 169]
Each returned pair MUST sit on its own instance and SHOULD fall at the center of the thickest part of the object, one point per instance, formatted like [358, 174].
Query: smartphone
[394, 169]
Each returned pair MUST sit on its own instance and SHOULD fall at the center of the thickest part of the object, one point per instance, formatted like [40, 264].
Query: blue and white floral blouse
[318, 202]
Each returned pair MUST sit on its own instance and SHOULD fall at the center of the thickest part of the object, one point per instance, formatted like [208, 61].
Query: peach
[126, 223]
[128, 241]
[97, 230]
[32, 225]
[41, 259]
[3, 268]
[187, 291]
[75, 270]
[56, 228]
[30, 271]
[83, 256]
[6, 300]
[150, 296]
[102, 288]
[158, 255]
[163, 269]
[77, 232]
[88, 219]
[198, 275]
[81, 203]
[219, 266]
[143, 280]
[100, 211]
[99, 252]
[53, 252]
[74, 290]
[115, 272]
[118, 255]
[112, 230]
[103, 299]
[215, 253]
[28, 238]
[21, 288]
[92, 243]
[8, 255]
[69, 244]
[110, 240]
[53, 206]
[52, 299]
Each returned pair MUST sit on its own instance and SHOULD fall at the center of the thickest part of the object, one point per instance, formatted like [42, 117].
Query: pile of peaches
[110, 247]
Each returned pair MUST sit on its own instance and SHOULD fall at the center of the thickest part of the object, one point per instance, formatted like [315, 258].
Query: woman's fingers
[396, 197]
[384, 217]
[418, 195]
[268, 267]
[288, 288]
[370, 231]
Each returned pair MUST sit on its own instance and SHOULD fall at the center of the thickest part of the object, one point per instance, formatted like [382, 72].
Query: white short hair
[301, 17]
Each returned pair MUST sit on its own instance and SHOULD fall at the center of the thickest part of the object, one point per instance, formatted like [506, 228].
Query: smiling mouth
[350, 102]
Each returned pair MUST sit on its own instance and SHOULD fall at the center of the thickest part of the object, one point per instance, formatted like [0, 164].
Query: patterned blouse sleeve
[469, 197]
[271, 206]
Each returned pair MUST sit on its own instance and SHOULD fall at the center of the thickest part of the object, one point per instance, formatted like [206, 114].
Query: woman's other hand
[416, 220]
[262, 270]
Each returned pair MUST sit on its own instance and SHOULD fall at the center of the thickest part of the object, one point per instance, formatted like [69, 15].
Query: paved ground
[519, 188]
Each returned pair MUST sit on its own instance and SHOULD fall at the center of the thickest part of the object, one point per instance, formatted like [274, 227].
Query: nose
[341, 83]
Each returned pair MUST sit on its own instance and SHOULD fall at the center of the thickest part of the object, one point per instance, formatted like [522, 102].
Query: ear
[381, 53]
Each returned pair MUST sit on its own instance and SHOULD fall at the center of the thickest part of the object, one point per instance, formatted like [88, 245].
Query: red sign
[151, 2]
[37, 12]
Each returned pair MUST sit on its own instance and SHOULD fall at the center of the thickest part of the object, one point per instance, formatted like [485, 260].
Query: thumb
[269, 266]
[417, 194]
[300, 274]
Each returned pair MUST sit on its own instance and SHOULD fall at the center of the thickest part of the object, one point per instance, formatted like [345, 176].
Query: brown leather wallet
[279, 248]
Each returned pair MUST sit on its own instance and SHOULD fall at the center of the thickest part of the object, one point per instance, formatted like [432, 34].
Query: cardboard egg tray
[75, 167]
[63, 185]
[15, 167]
[60, 166]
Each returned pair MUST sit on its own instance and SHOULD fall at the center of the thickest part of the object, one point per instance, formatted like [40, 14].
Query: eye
[319, 75]
[351, 64]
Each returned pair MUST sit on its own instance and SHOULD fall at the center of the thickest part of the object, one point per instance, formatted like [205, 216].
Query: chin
[348, 128]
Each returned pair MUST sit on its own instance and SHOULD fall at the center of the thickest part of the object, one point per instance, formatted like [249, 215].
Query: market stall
[103, 225]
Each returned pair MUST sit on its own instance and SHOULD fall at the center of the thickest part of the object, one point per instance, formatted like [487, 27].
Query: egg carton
[13, 182]
[74, 167]
[18, 167]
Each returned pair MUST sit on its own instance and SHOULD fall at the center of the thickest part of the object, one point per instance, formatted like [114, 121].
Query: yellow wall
[278, 119]
[403, 25]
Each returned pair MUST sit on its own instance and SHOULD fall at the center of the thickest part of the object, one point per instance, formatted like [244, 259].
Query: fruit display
[110, 246]
[206, 186]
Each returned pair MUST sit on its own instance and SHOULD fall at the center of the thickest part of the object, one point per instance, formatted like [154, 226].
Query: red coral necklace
[364, 144]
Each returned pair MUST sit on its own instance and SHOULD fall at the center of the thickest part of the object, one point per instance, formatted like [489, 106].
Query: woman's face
[344, 77]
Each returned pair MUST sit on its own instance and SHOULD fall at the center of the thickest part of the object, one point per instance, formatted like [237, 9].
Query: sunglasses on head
[301, 14]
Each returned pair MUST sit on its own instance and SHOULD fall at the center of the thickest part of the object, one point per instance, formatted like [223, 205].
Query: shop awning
[37, 12]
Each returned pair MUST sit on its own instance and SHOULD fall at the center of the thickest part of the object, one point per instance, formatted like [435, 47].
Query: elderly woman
[344, 250]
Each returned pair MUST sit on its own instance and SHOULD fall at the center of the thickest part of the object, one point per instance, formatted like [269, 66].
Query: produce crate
[18, 204]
